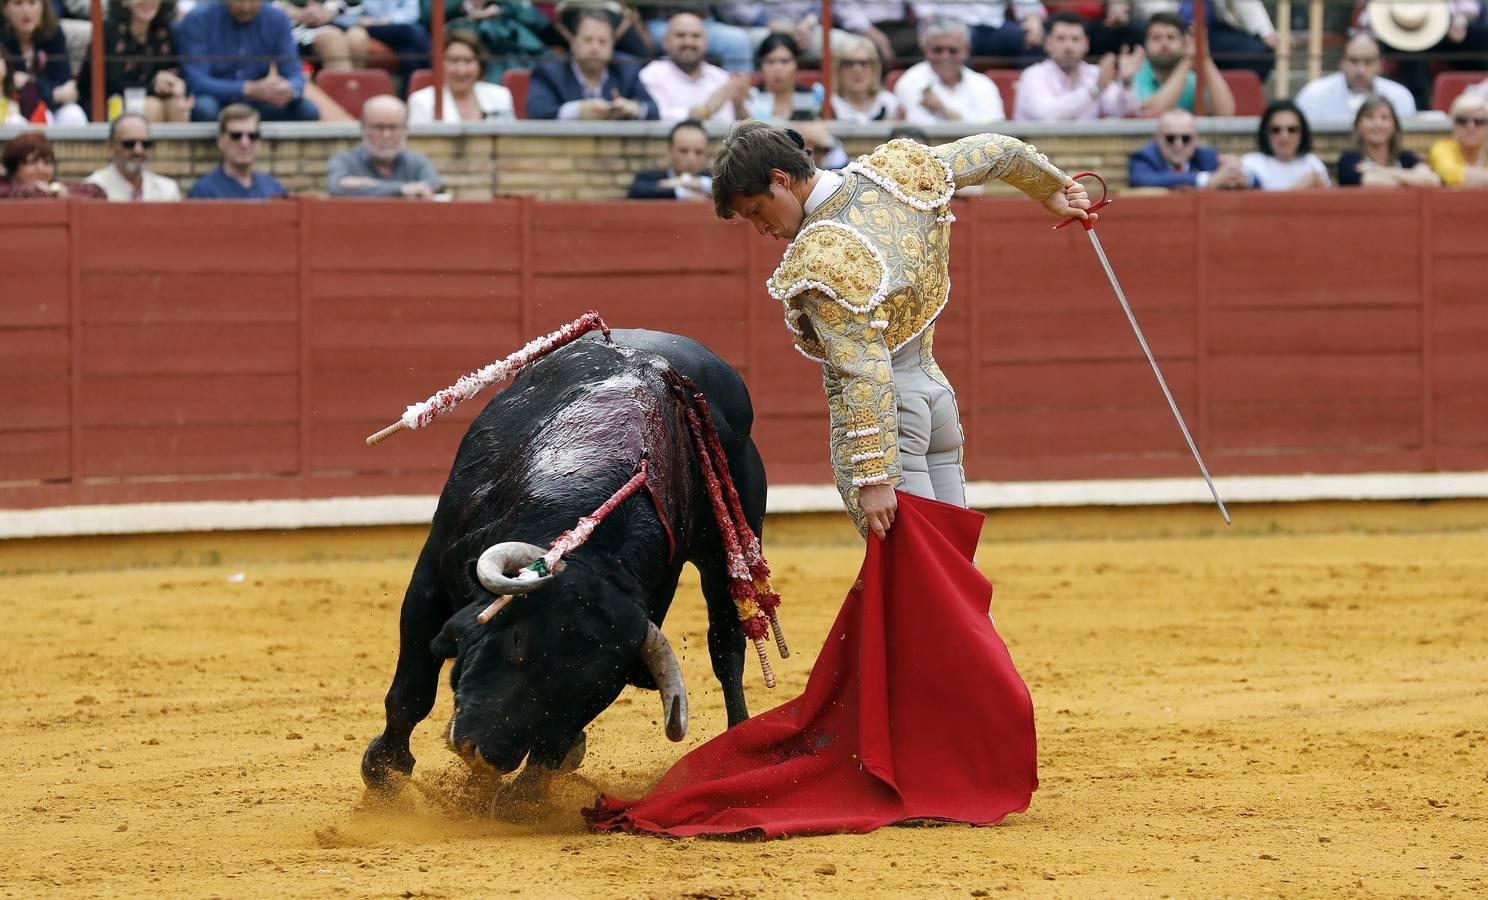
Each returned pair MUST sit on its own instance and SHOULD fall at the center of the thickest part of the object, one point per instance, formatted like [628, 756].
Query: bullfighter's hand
[1071, 203]
[879, 506]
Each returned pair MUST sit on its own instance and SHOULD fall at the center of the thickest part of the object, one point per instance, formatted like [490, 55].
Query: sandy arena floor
[1266, 713]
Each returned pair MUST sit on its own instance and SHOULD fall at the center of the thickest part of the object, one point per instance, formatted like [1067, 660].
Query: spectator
[1167, 80]
[466, 97]
[909, 133]
[823, 149]
[1177, 160]
[991, 31]
[778, 99]
[239, 51]
[314, 31]
[129, 177]
[1462, 159]
[631, 38]
[10, 105]
[382, 165]
[1285, 161]
[141, 55]
[1110, 25]
[1376, 159]
[1427, 31]
[394, 23]
[34, 42]
[590, 84]
[858, 77]
[888, 24]
[1340, 95]
[513, 32]
[941, 88]
[729, 44]
[238, 140]
[1241, 35]
[1066, 88]
[686, 86]
[30, 167]
[685, 177]
[800, 20]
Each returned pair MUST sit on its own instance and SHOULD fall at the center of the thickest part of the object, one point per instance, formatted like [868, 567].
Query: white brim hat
[1410, 25]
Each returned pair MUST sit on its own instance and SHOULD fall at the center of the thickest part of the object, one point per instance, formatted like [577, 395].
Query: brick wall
[596, 162]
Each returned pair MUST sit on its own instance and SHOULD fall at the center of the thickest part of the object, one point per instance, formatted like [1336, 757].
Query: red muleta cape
[913, 710]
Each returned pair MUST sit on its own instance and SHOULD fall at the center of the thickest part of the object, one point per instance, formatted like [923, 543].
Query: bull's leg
[415, 682]
[725, 640]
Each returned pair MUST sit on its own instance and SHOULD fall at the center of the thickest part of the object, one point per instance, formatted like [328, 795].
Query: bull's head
[529, 680]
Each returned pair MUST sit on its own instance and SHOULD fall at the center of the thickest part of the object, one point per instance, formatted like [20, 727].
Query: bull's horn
[657, 654]
[502, 569]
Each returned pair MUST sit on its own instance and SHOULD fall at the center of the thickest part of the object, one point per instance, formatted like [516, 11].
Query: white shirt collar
[825, 186]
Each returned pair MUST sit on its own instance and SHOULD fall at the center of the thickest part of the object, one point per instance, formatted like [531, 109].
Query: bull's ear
[446, 644]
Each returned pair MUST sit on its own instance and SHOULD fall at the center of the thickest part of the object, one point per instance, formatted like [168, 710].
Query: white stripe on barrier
[141, 518]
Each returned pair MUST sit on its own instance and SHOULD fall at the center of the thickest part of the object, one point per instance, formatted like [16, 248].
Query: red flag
[913, 710]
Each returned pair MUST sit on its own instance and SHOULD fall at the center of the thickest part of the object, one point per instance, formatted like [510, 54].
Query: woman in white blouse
[466, 97]
[858, 77]
[1285, 161]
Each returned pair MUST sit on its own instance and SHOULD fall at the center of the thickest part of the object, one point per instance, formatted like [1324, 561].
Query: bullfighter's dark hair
[750, 153]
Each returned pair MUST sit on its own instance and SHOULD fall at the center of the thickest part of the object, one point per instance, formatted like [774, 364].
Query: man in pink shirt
[1065, 87]
[686, 86]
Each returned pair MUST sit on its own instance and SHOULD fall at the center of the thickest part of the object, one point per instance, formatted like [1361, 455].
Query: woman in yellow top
[1462, 159]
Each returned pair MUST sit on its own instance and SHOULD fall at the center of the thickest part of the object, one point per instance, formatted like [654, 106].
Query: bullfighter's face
[778, 213]
[528, 682]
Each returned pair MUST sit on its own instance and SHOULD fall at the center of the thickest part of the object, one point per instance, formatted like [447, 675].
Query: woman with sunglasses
[1285, 161]
[30, 169]
[1462, 159]
[858, 77]
[1376, 159]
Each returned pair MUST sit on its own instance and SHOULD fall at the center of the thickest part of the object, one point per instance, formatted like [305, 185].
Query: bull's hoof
[385, 767]
[575, 757]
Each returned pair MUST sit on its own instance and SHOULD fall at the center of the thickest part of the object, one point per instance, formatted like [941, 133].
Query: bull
[570, 430]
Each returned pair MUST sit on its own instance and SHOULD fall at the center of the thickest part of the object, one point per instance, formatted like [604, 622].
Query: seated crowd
[243, 62]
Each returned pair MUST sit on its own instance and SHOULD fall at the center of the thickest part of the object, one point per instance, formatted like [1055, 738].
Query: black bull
[568, 432]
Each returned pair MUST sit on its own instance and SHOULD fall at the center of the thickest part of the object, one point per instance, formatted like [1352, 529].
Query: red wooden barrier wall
[244, 350]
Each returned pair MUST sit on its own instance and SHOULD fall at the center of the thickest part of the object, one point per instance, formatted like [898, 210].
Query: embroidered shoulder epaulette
[910, 172]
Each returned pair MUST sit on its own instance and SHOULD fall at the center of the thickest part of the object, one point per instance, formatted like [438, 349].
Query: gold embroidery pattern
[982, 157]
[859, 382]
[909, 171]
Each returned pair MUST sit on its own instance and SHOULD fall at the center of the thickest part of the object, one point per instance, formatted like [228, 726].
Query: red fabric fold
[913, 710]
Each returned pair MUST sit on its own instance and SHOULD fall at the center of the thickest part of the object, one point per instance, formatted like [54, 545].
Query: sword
[1126, 307]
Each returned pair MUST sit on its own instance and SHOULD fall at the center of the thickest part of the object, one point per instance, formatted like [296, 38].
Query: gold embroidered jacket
[868, 273]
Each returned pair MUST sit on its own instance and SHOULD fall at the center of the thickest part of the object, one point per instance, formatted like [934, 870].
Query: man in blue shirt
[241, 51]
[237, 140]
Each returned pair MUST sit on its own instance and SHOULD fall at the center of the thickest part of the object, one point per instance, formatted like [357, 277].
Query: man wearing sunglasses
[238, 140]
[129, 177]
[1176, 159]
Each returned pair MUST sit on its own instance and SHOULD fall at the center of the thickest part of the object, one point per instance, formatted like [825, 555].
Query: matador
[862, 282]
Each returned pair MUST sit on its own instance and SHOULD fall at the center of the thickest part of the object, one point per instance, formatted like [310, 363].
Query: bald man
[1339, 95]
[1176, 159]
[685, 85]
[382, 165]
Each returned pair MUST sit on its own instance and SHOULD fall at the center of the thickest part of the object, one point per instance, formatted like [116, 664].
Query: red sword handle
[1099, 204]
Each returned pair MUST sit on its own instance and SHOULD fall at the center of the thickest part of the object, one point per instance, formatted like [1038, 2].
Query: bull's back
[719, 382]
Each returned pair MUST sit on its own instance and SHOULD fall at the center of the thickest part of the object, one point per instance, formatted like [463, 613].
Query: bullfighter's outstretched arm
[979, 158]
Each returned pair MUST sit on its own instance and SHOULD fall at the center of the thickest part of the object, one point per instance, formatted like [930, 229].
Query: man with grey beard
[129, 177]
[382, 165]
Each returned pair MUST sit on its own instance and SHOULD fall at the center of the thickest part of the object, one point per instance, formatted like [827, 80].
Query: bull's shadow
[570, 430]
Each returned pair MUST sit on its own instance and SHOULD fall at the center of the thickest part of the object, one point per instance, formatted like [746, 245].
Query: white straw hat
[1410, 25]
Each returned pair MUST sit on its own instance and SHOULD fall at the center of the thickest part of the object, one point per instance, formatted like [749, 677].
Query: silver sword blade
[1172, 404]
